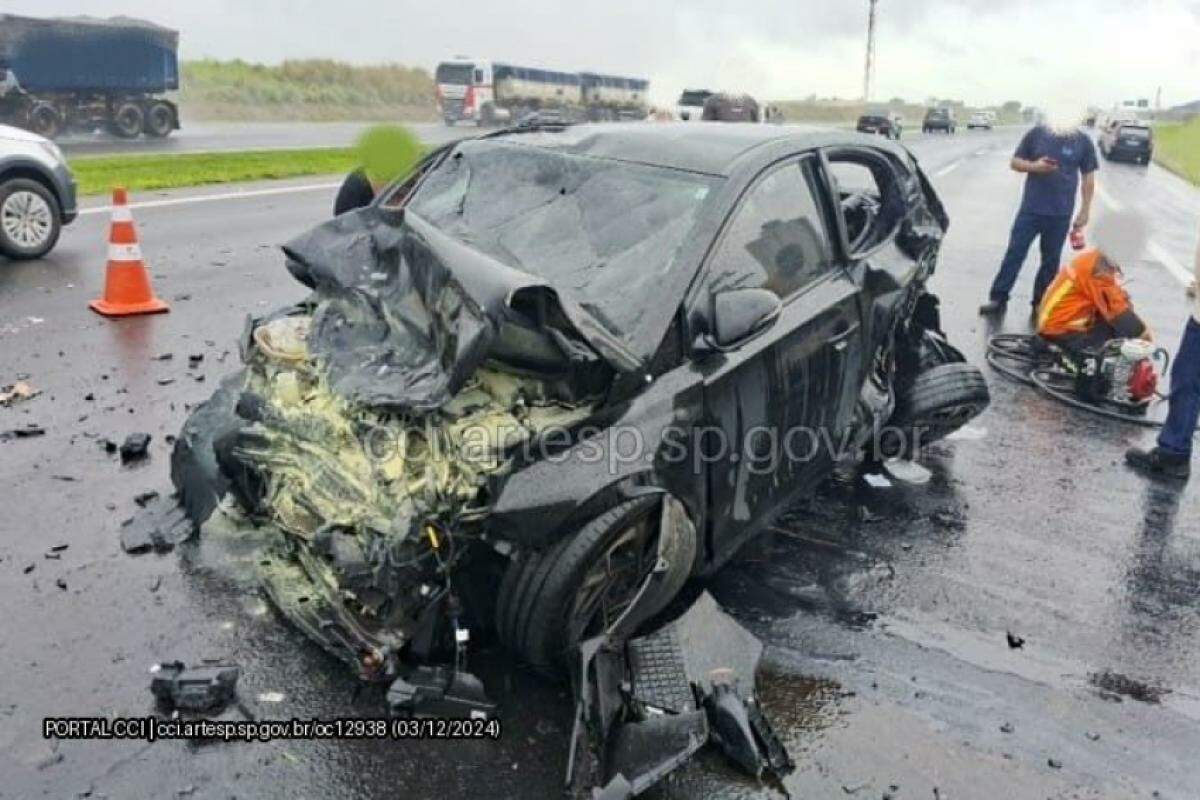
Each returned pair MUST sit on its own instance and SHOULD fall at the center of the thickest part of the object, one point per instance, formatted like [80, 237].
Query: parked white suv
[37, 194]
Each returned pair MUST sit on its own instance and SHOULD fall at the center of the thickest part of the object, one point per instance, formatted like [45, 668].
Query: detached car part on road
[37, 194]
[537, 386]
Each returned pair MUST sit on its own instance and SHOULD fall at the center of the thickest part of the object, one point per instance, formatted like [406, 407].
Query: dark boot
[1157, 463]
[993, 306]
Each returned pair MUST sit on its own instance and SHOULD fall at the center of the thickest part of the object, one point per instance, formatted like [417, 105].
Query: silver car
[37, 194]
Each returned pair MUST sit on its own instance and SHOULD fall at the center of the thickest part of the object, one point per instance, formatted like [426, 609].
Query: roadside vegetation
[307, 89]
[98, 174]
[836, 111]
[1177, 147]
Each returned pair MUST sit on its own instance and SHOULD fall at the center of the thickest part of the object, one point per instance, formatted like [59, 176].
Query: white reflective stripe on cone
[124, 252]
[122, 214]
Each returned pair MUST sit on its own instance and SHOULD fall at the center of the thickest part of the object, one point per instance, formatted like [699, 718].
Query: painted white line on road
[1156, 251]
[209, 198]
[946, 170]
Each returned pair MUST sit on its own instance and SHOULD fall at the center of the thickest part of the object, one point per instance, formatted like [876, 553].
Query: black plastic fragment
[134, 447]
[26, 432]
[159, 526]
[437, 691]
[208, 687]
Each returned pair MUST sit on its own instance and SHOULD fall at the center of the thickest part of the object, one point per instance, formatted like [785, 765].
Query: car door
[888, 232]
[774, 404]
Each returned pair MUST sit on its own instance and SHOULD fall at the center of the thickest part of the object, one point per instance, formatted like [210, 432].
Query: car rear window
[1132, 132]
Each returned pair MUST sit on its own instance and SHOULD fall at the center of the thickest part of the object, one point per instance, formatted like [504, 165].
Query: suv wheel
[29, 219]
[552, 600]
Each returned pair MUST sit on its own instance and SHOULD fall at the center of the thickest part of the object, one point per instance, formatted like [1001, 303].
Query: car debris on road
[207, 687]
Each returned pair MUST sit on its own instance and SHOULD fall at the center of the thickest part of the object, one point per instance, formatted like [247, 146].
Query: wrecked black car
[556, 372]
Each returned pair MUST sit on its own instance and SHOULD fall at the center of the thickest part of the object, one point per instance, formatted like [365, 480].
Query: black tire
[127, 120]
[159, 120]
[937, 402]
[28, 228]
[536, 608]
[44, 120]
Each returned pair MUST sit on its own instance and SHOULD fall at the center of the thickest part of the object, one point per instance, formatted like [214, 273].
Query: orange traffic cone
[127, 287]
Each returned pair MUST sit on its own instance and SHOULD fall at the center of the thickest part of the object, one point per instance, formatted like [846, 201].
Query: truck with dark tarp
[87, 73]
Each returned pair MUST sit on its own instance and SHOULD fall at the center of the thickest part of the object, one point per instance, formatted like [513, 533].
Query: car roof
[709, 147]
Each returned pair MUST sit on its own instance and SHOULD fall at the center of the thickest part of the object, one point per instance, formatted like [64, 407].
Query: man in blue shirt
[1053, 162]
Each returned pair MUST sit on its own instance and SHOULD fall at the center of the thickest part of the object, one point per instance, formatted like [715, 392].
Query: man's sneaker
[992, 307]
[1157, 463]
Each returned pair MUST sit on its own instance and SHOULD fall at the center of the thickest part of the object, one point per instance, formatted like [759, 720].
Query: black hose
[1018, 372]
[1037, 378]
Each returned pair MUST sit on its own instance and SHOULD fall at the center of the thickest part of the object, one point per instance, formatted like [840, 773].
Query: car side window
[397, 195]
[869, 196]
[775, 239]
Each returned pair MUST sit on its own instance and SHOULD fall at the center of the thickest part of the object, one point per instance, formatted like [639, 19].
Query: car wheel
[29, 219]
[937, 402]
[127, 121]
[160, 120]
[551, 600]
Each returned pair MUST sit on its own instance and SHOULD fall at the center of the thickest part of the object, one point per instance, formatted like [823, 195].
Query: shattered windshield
[604, 232]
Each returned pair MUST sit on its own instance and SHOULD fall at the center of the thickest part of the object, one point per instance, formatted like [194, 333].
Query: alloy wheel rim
[26, 219]
[611, 583]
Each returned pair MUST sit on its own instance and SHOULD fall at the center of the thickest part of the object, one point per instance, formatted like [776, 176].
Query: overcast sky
[1047, 52]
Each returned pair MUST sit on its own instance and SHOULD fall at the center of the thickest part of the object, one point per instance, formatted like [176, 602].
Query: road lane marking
[946, 170]
[1156, 251]
[210, 198]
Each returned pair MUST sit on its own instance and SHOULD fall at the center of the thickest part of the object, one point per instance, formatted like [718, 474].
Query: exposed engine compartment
[373, 507]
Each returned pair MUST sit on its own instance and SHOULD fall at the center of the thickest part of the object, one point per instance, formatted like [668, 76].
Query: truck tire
[538, 611]
[159, 119]
[937, 402]
[44, 120]
[30, 220]
[127, 120]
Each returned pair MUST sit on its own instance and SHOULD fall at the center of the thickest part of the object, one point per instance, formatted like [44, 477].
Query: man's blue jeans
[1176, 435]
[1052, 232]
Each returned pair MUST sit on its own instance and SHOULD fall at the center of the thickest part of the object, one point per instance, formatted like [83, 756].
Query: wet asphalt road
[199, 137]
[884, 612]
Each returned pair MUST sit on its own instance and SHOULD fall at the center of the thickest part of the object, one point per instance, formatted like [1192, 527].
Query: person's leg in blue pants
[1024, 230]
[1172, 457]
[1052, 232]
[1176, 435]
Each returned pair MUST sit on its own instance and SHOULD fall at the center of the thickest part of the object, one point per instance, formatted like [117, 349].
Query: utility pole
[868, 73]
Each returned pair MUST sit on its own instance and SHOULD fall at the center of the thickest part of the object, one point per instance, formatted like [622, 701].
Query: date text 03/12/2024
[154, 728]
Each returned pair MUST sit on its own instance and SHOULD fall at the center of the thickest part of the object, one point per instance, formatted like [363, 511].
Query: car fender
[645, 444]
[31, 168]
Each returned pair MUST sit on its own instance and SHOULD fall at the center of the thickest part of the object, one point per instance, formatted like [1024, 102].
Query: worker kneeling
[1085, 306]
[1089, 316]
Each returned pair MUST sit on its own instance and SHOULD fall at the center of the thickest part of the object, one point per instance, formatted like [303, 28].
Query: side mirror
[738, 314]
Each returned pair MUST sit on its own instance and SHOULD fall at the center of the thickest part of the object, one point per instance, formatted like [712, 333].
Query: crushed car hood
[405, 314]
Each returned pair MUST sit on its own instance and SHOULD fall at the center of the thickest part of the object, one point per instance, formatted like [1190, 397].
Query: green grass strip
[98, 174]
[1177, 147]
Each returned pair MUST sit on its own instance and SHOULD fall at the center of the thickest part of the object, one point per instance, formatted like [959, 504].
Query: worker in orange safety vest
[1085, 306]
